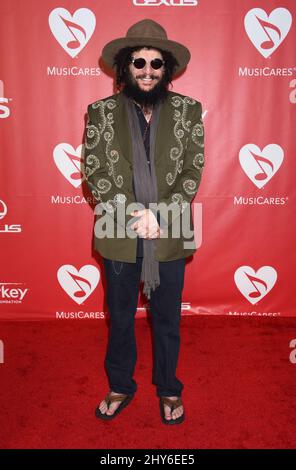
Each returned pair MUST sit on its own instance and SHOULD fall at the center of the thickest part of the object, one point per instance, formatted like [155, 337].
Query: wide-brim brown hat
[147, 33]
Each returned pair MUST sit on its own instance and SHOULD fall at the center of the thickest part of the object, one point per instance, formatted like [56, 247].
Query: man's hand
[146, 226]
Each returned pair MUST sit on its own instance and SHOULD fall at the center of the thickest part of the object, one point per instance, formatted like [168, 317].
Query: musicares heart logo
[69, 162]
[255, 285]
[78, 284]
[72, 31]
[267, 32]
[261, 165]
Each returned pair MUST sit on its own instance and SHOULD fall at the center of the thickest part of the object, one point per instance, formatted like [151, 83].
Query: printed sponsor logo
[72, 31]
[12, 292]
[260, 201]
[267, 32]
[255, 285]
[261, 165]
[254, 313]
[70, 163]
[7, 228]
[79, 285]
[74, 71]
[80, 315]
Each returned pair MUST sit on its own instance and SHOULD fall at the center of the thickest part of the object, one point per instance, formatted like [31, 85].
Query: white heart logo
[255, 285]
[70, 163]
[78, 284]
[267, 32]
[72, 32]
[261, 165]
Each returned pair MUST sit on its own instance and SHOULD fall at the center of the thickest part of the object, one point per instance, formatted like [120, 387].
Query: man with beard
[144, 150]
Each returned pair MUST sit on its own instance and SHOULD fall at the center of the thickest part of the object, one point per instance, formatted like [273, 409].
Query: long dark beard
[145, 98]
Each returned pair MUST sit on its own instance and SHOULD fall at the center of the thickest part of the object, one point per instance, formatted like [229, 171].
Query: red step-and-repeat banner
[242, 69]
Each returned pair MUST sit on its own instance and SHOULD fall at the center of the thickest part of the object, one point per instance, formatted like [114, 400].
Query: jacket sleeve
[188, 181]
[107, 188]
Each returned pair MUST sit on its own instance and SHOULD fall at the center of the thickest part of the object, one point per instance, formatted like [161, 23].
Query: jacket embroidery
[105, 129]
[179, 199]
[111, 204]
[189, 186]
[181, 126]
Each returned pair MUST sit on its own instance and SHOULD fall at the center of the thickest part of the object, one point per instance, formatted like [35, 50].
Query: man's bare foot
[176, 413]
[112, 407]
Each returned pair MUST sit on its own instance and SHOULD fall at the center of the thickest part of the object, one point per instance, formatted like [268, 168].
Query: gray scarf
[145, 188]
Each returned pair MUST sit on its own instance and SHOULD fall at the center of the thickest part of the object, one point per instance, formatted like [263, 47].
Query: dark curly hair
[123, 57]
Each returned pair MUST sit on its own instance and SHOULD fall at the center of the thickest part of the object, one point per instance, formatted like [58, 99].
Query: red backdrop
[242, 70]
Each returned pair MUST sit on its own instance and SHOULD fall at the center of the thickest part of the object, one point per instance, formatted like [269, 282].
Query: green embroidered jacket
[179, 162]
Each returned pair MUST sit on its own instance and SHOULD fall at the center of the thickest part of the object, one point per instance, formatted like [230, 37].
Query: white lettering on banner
[261, 165]
[81, 315]
[292, 356]
[255, 314]
[73, 71]
[13, 228]
[4, 110]
[168, 3]
[266, 71]
[1, 352]
[73, 200]
[255, 285]
[11, 294]
[292, 95]
[79, 285]
[7, 228]
[260, 201]
[72, 31]
[185, 305]
[267, 32]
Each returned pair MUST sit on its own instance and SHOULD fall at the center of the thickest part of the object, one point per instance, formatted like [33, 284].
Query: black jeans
[123, 283]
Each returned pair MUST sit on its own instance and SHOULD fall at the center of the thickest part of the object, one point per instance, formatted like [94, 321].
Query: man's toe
[112, 408]
[177, 412]
[103, 407]
[167, 412]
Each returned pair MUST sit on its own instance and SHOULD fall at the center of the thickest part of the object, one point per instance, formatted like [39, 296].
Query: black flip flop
[125, 400]
[173, 404]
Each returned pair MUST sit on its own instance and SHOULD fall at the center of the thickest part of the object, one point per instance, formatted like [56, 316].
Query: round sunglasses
[140, 63]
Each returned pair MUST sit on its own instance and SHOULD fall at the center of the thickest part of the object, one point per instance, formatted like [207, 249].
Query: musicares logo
[70, 163]
[255, 285]
[72, 31]
[267, 32]
[79, 285]
[261, 165]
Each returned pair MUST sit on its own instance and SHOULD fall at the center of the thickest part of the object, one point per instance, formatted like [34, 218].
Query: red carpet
[240, 387]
